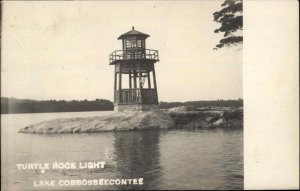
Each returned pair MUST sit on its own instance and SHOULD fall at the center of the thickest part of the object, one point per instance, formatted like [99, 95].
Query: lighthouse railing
[132, 54]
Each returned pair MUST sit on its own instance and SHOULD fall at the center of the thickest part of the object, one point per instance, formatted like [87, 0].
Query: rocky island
[175, 118]
[137, 106]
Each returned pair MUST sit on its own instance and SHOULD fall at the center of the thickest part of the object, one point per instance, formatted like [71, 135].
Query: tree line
[13, 105]
[198, 104]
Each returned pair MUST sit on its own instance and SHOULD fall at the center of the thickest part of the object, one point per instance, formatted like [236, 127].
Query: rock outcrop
[206, 118]
[119, 121]
[174, 118]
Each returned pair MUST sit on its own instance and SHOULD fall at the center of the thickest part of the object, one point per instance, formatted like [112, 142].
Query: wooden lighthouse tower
[135, 87]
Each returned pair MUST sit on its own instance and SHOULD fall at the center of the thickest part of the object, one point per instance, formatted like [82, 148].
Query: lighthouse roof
[133, 33]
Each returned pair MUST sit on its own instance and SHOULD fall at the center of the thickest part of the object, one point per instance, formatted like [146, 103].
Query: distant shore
[14, 106]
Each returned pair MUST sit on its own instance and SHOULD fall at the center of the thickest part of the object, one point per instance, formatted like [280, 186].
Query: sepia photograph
[122, 95]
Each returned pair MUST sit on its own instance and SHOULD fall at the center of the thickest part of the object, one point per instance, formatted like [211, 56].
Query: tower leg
[130, 79]
[130, 87]
[134, 79]
[154, 79]
[120, 84]
[140, 84]
[115, 88]
[149, 81]
[135, 94]
[115, 83]
[155, 86]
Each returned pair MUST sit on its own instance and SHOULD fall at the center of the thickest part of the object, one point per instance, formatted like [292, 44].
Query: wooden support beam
[140, 83]
[154, 79]
[140, 78]
[120, 82]
[149, 81]
[155, 86]
[134, 79]
[115, 83]
[129, 79]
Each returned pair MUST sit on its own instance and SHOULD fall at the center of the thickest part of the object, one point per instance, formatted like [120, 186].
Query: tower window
[133, 43]
[139, 43]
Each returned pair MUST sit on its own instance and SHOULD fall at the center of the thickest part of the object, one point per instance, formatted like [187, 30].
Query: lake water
[175, 159]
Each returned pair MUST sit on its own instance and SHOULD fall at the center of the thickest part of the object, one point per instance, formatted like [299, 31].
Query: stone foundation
[136, 107]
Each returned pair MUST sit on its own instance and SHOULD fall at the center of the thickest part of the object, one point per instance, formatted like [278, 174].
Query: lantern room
[133, 39]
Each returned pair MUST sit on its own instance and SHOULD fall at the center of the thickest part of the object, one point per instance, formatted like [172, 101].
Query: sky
[60, 50]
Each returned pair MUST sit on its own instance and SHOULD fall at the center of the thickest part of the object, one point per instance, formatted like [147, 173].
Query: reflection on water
[178, 159]
[137, 155]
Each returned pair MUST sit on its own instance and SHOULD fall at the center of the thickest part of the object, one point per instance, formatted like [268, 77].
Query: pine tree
[231, 19]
